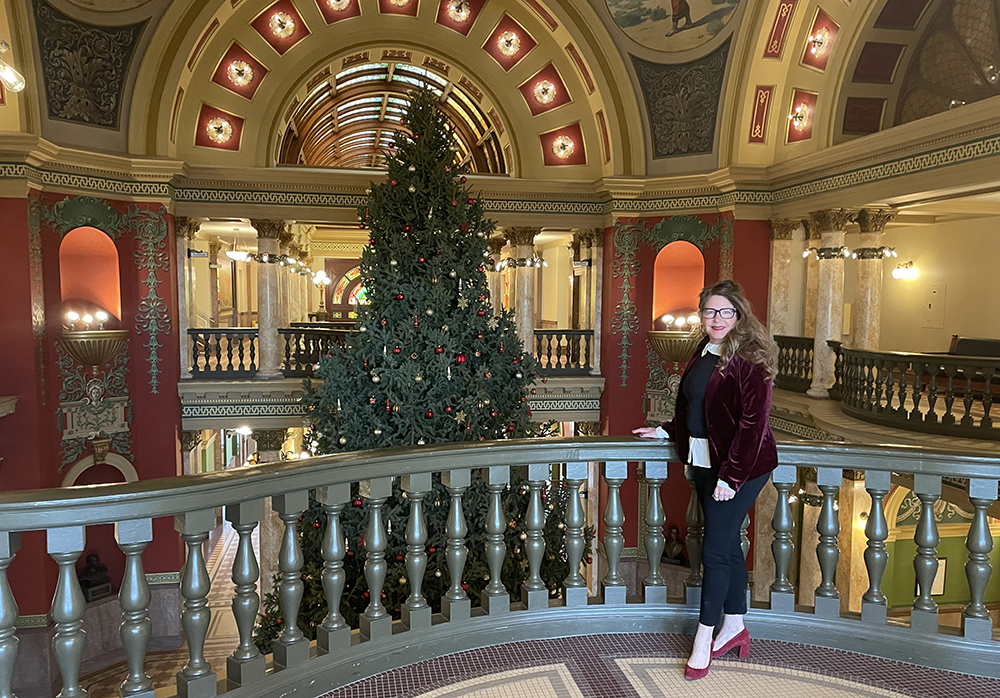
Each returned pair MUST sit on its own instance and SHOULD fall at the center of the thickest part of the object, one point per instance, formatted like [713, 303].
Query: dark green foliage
[447, 368]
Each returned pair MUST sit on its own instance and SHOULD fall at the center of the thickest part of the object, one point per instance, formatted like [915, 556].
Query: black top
[694, 385]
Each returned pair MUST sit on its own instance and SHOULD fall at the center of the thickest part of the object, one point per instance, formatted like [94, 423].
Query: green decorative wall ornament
[79, 211]
[630, 234]
[944, 512]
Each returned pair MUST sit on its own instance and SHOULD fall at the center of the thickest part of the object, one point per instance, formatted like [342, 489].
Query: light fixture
[239, 73]
[508, 43]
[12, 79]
[282, 25]
[338, 5]
[219, 130]
[102, 317]
[667, 319]
[819, 42]
[882, 252]
[243, 431]
[992, 73]
[905, 271]
[956, 103]
[544, 92]
[563, 147]
[459, 10]
[799, 117]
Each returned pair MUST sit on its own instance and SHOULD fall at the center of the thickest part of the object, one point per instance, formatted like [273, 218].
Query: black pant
[725, 577]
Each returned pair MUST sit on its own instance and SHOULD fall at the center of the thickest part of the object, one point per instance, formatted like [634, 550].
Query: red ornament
[366, 595]
[384, 322]
[393, 182]
[387, 408]
[448, 409]
[447, 168]
[480, 312]
[480, 268]
[501, 347]
[399, 296]
[462, 180]
[482, 438]
[524, 399]
[406, 228]
[432, 549]
[361, 225]
[460, 359]
[493, 413]
[421, 259]
[454, 202]
[464, 227]
[371, 241]
[396, 350]
[429, 414]
[357, 502]
[510, 428]
[471, 201]
[514, 361]
[399, 558]
[413, 356]
[438, 350]
[479, 336]
[316, 524]
[465, 586]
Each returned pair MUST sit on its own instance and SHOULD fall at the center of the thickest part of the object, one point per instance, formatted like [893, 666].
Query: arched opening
[679, 275]
[89, 281]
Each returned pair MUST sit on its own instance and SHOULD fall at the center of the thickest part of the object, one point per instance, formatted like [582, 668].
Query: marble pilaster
[493, 277]
[214, 247]
[597, 263]
[284, 281]
[269, 443]
[185, 230]
[781, 261]
[813, 239]
[867, 315]
[522, 241]
[587, 290]
[829, 298]
[268, 300]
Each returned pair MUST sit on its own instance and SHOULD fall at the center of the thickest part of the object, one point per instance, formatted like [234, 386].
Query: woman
[722, 434]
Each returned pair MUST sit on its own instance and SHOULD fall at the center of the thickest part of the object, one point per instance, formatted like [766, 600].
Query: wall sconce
[874, 253]
[12, 79]
[905, 271]
[827, 252]
[819, 42]
[799, 117]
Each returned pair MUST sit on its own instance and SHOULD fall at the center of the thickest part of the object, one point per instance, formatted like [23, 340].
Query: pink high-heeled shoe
[692, 674]
[741, 640]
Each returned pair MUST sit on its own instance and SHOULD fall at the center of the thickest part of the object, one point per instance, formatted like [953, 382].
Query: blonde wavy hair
[748, 339]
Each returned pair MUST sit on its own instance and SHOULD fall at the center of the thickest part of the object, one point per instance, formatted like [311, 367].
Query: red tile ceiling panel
[497, 44]
[567, 140]
[398, 7]
[208, 113]
[901, 14]
[236, 67]
[543, 13]
[819, 45]
[761, 109]
[863, 115]
[779, 29]
[281, 43]
[582, 67]
[336, 10]
[877, 62]
[545, 85]
[803, 103]
[471, 7]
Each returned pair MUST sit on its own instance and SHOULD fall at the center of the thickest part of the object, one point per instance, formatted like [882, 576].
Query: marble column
[190, 440]
[781, 261]
[829, 298]
[575, 283]
[493, 277]
[214, 247]
[522, 242]
[294, 301]
[268, 300]
[269, 442]
[867, 315]
[813, 239]
[307, 284]
[185, 230]
[597, 264]
[587, 279]
[284, 281]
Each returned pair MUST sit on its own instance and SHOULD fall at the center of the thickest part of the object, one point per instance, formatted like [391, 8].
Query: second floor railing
[564, 352]
[343, 654]
[795, 359]
[302, 348]
[223, 352]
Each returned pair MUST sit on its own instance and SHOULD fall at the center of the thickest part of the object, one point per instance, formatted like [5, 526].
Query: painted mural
[672, 25]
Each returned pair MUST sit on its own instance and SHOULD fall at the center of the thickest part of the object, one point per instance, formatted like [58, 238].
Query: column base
[782, 602]
[416, 618]
[827, 607]
[378, 629]
[456, 610]
[534, 598]
[261, 376]
[151, 693]
[654, 594]
[692, 596]
[292, 654]
[495, 604]
[245, 672]
[924, 621]
[575, 596]
[330, 641]
[877, 613]
[205, 686]
[818, 393]
[615, 595]
[978, 629]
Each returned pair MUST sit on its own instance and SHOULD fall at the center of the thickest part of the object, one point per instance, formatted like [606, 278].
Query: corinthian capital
[874, 220]
[831, 219]
[496, 244]
[269, 439]
[186, 227]
[782, 228]
[268, 229]
[521, 236]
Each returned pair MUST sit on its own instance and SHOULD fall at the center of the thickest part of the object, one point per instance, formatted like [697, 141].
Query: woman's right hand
[646, 432]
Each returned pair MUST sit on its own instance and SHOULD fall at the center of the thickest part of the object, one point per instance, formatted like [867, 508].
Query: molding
[159, 578]
[40, 620]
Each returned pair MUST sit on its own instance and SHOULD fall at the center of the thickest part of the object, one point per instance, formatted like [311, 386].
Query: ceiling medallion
[563, 147]
[820, 42]
[282, 25]
[799, 117]
[459, 10]
[219, 130]
[544, 92]
[240, 73]
[508, 43]
[338, 5]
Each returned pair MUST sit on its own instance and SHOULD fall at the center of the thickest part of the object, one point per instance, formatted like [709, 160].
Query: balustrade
[564, 352]
[66, 513]
[795, 360]
[229, 352]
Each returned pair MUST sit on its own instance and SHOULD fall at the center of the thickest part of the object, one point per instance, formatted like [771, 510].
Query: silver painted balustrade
[344, 654]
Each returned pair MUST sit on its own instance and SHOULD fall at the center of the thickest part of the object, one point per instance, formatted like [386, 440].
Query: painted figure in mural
[721, 429]
[679, 9]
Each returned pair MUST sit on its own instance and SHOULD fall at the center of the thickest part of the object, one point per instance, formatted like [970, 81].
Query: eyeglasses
[724, 313]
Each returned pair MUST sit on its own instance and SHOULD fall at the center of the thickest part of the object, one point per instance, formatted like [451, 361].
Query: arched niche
[678, 277]
[88, 272]
[114, 469]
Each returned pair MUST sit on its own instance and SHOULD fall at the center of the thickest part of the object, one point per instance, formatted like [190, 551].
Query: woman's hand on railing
[648, 433]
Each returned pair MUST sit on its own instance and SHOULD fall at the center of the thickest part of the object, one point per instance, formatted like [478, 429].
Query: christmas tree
[431, 363]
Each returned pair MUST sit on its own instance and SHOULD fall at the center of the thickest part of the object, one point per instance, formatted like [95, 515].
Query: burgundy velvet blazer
[737, 405]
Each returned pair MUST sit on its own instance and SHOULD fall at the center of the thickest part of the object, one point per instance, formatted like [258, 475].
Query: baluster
[576, 350]
[968, 373]
[782, 547]
[252, 337]
[192, 340]
[234, 365]
[575, 586]
[901, 408]
[240, 339]
[133, 598]
[918, 373]
[539, 346]
[65, 545]
[534, 593]
[923, 617]
[196, 679]
[416, 611]
[654, 585]
[246, 666]
[873, 603]
[987, 421]
[876, 369]
[976, 621]
[375, 622]
[292, 646]
[890, 385]
[456, 604]
[694, 517]
[827, 600]
[495, 598]
[948, 418]
[333, 634]
[588, 340]
[615, 591]
[10, 543]
[287, 341]
[931, 416]
[744, 536]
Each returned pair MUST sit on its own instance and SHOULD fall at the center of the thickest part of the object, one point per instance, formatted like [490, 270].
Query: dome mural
[672, 25]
